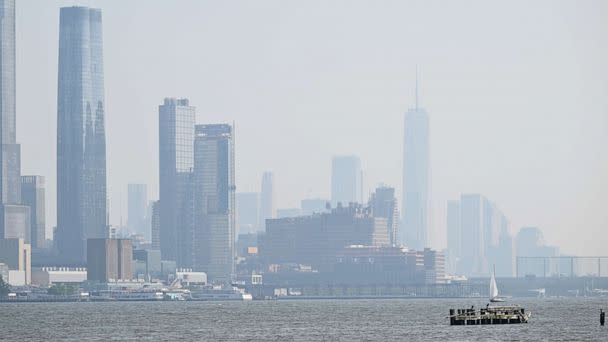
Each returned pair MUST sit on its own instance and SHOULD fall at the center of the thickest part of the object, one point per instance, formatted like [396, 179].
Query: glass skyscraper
[415, 178]
[137, 210]
[14, 218]
[214, 201]
[81, 145]
[346, 180]
[176, 158]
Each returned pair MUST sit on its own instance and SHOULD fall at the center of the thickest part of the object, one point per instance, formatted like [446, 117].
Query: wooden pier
[489, 315]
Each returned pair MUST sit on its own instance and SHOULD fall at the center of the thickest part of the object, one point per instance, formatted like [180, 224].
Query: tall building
[109, 260]
[454, 235]
[137, 210]
[415, 176]
[478, 237]
[81, 142]
[176, 160]
[11, 165]
[247, 211]
[14, 218]
[473, 258]
[384, 204]
[313, 205]
[155, 225]
[531, 243]
[267, 204]
[346, 180]
[33, 196]
[214, 237]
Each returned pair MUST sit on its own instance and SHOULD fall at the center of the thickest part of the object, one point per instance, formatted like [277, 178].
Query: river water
[562, 319]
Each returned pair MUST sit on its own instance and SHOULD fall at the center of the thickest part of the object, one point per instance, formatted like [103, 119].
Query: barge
[511, 314]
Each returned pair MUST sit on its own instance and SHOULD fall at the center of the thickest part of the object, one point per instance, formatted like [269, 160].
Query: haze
[516, 93]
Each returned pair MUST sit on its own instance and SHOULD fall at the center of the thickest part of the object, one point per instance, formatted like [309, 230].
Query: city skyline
[511, 172]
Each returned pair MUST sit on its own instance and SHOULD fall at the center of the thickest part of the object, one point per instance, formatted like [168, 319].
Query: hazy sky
[516, 92]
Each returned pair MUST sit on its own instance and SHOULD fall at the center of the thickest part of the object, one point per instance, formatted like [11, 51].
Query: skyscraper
[33, 195]
[176, 155]
[247, 211]
[81, 142]
[478, 237]
[214, 236]
[346, 180]
[14, 217]
[11, 157]
[454, 236]
[473, 257]
[137, 209]
[384, 204]
[415, 176]
[267, 204]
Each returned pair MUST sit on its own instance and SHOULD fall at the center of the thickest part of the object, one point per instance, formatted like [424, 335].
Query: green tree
[61, 290]
[4, 288]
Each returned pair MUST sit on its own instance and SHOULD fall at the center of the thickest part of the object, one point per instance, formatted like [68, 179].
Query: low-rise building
[47, 276]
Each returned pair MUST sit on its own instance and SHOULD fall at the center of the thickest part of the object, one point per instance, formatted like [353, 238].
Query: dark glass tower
[214, 195]
[81, 145]
[176, 143]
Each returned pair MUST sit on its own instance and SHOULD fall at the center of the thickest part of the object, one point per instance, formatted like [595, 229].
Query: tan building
[16, 254]
[109, 260]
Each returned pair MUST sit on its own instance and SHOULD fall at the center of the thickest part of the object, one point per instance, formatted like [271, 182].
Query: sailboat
[494, 298]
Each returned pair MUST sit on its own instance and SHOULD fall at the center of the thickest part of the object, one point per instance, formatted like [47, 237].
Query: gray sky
[516, 92]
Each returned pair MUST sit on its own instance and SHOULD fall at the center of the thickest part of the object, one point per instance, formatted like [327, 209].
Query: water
[575, 319]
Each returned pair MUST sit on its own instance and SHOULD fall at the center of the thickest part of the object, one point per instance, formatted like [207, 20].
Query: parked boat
[511, 314]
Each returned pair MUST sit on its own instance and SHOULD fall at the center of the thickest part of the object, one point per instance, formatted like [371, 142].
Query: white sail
[493, 287]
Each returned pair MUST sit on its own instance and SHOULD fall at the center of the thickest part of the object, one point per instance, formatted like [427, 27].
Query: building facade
[81, 144]
[214, 201]
[33, 196]
[109, 260]
[346, 180]
[176, 161]
[17, 255]
[384, 204]
[314, 240]
[155, 225]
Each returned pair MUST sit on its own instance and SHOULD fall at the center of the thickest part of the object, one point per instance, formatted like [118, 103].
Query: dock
[489, 315]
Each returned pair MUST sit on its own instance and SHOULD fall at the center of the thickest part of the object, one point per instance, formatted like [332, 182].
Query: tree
[61, 290]
[4, 288]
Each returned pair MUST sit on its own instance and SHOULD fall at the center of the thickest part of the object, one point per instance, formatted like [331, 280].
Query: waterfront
[566, 319]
